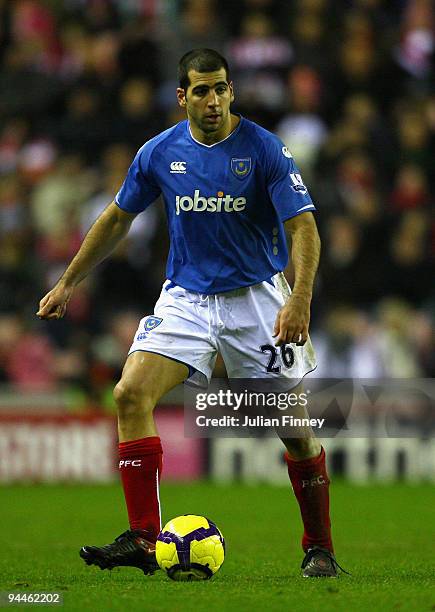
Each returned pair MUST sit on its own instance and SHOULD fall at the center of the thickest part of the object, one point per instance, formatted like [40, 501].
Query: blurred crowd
[348, 85]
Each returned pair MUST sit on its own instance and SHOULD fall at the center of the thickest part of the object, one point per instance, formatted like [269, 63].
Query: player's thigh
[148, 376]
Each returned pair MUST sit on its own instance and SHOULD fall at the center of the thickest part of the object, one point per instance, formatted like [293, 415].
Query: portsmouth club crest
[241, 166]
[152, 322]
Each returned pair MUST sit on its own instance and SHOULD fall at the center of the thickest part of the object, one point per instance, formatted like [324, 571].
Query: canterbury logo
[132, 462]
[178, 167]
[317, 480]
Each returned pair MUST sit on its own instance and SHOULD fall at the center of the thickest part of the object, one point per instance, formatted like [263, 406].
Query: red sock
[311, 486]
[140, 464]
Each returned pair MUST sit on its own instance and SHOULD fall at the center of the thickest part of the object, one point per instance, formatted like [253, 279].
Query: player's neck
[209, 139]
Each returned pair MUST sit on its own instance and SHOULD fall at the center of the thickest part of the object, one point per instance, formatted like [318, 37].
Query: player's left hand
[292, 321]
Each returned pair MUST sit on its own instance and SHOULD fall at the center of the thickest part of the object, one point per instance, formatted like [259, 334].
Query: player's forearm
[102, 238]
[305, 254]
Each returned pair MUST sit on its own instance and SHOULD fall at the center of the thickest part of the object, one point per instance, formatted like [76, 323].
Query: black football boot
[130, 549]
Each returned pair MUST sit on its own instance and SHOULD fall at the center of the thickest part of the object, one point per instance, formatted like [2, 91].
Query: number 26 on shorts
[285, 353]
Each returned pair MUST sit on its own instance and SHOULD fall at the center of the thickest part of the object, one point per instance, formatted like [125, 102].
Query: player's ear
[181, 97]
[230, 85]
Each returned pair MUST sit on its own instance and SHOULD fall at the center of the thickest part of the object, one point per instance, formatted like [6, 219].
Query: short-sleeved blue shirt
[225, 203]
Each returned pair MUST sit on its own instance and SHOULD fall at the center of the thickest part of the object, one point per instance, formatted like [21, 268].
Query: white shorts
[191, 328]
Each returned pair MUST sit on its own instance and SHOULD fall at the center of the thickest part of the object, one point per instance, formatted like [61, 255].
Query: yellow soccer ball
[190, 547]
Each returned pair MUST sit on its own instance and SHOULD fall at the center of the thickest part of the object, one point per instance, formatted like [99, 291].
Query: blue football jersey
[225, 203]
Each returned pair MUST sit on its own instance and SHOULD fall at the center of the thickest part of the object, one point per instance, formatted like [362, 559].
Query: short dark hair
[201, 60]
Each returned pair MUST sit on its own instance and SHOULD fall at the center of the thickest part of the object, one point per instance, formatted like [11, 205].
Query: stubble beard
[208, 128]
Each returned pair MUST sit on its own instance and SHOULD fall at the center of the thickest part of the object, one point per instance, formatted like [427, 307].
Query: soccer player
[231, 191]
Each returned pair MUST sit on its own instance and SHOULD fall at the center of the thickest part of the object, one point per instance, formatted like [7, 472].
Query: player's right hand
[53, 305]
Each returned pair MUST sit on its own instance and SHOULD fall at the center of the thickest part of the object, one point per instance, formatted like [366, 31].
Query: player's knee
[131, 400]
[303, 448]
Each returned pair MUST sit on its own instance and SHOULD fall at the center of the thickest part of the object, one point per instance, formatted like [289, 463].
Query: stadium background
[349, 87]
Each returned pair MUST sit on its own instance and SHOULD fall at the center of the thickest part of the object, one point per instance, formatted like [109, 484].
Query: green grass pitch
[384, 535]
